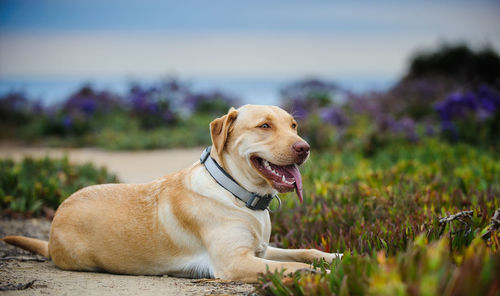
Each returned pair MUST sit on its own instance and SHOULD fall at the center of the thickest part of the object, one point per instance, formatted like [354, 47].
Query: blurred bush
[185, 133]
[16, 110]
[213, 103]
[157, 115]
[154, 105]
[32, 184]
[452, 93]
[332, 117]
[459, 63]
[307, 96]
[472, 116]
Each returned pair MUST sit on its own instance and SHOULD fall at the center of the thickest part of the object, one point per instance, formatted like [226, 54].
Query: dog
[196, 222]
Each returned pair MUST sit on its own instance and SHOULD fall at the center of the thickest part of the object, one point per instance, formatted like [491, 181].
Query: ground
[22, 273]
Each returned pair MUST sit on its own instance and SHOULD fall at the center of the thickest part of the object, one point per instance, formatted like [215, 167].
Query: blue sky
[208, 16]
[233, 38]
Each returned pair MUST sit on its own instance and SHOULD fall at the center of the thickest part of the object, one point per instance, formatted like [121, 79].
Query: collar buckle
[257, 202]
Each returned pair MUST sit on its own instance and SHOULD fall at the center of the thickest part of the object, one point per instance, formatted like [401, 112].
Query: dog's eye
[294, 125]
[265, 125]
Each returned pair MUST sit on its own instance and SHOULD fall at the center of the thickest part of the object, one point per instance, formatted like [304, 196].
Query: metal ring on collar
[279, 204]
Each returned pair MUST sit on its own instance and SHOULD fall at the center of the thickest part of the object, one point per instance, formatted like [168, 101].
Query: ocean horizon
[249, 90]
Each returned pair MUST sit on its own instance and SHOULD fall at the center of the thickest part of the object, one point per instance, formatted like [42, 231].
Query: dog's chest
[261, 249]
[263, 232]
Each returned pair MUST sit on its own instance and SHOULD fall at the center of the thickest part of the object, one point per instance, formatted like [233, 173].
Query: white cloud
[430, 17]
[349, 39]
[206, 54]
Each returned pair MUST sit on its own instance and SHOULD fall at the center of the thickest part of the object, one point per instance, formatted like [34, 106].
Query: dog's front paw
[338, 255]
[334, 256]
[309, 270]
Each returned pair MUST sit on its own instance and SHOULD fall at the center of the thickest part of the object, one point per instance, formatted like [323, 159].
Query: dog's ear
[219, 129]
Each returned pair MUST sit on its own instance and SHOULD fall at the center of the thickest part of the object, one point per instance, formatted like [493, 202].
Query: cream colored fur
[183, 224]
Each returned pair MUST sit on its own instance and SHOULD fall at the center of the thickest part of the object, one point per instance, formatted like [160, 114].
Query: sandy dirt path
[22, 273]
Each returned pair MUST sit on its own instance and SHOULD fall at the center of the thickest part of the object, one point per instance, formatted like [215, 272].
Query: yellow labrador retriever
[208, 220]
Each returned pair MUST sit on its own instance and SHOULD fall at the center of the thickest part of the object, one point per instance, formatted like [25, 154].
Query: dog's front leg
[299, 255]
[246, 267]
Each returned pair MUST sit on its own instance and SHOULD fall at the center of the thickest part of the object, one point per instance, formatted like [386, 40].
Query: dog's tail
[34, 245]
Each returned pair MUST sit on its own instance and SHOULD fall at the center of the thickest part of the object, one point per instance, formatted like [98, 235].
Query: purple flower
[213, 102]
[333, 116]
[37, 108]
[464, 110]
[408, 127]
[457, 105]
[88, 102]
[67, 122]
[429, 130]
[88, 106]
[386, 122]
[138, 99]
[299, 109]
[489, 100]
[308, 96]
[14, 102]
[158, 103]
[153, 108]
[449, 128]
[16, 108]
[169, 116]
[405, 126]
[425, 88]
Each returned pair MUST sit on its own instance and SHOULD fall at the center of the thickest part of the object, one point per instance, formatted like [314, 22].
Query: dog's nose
[301, 147]
[302, 150]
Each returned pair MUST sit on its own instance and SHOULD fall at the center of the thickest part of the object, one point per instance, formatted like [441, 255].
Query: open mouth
[283, 178]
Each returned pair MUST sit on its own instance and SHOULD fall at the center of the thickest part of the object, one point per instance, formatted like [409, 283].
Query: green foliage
[383, 212]
[212, 105]
[118, 132]
[186, 133]
[422, 269]
[32, 184]
[318, 134]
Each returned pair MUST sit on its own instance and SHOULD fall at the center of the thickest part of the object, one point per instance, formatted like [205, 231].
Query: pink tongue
[294, 170]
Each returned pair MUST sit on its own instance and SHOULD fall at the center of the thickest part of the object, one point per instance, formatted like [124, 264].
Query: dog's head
[259, 147]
